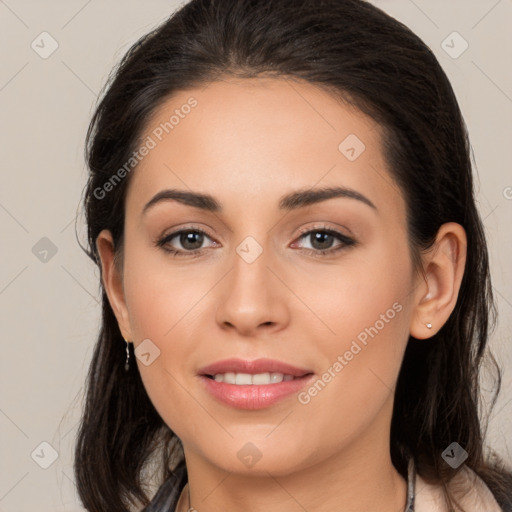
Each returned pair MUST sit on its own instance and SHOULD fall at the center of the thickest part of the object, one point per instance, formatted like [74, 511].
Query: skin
[247, 143]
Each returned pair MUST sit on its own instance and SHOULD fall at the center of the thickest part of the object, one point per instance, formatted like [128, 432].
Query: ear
[113, 282]
[437, 291]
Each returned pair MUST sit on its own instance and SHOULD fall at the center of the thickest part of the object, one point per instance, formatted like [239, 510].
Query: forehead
[251, 138]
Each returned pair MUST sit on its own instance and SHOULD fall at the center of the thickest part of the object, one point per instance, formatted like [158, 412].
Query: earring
[127, 362]
[429, 326]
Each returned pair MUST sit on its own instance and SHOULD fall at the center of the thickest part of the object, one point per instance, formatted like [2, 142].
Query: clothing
[478, 497]
[167, 496]
[421, 497]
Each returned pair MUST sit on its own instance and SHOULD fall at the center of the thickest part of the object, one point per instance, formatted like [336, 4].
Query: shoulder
[468, 489]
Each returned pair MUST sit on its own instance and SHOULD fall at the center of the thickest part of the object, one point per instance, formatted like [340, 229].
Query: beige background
[50, 311]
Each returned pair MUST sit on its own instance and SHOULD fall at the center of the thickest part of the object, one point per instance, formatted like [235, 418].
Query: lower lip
[253, 396]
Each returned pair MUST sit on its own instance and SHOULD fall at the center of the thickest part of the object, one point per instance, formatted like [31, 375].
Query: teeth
[243, 378]
[247, 378]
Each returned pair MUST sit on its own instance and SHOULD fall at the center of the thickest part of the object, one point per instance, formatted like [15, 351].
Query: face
[267, 268]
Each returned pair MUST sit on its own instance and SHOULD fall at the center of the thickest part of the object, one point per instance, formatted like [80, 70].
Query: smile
[242, 379]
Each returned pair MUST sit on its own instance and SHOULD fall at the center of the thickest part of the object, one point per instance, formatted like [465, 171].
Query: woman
[296, 292]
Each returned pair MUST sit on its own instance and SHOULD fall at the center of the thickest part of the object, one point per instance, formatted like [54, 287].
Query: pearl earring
[429, 326]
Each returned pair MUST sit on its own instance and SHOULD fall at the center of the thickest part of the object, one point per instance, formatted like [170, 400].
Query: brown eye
[322, 241]
[184, 243]
[191, 240]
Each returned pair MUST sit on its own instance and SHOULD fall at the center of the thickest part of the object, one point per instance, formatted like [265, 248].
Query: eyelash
[346, 242]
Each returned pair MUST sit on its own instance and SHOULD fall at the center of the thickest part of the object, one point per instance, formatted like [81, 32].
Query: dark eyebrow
[307, 197]
[195, 199]
[292, 201]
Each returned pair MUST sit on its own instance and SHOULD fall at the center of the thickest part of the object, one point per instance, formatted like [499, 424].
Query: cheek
[166, 305]
[367, 309]
[365, 297]
[162, 297]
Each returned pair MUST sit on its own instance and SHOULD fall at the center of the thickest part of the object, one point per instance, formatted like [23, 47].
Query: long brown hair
[371, 60]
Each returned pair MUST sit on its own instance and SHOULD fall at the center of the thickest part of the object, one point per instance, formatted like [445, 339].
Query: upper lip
[252, 367]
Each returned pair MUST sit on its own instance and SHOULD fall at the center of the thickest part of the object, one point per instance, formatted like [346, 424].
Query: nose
[251, 298]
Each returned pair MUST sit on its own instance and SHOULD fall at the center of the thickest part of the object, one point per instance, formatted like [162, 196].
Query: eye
[190, 240]
[322, 239]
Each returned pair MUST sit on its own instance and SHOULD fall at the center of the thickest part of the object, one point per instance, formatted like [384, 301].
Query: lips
[253, 395]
